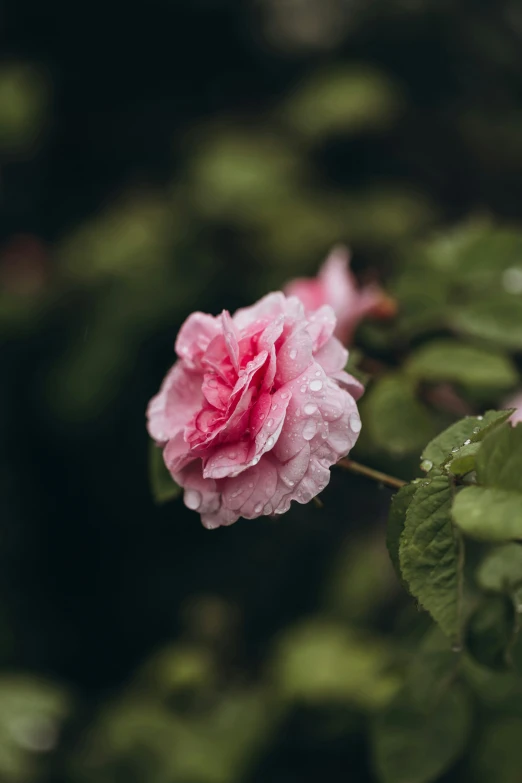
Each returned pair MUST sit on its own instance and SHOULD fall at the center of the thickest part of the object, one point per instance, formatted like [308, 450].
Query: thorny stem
[376, 475]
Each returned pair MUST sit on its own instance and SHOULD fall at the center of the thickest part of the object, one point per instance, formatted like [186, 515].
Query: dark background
[119, 132]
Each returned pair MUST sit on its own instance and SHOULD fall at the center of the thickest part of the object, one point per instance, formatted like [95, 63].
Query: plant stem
[376, 475]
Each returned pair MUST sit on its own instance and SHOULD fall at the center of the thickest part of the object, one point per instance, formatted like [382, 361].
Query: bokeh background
[195, 154]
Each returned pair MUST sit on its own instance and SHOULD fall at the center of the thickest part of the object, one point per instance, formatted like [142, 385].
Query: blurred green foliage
[196, 160]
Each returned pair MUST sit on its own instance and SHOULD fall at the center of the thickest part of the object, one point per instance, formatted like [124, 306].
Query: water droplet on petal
[251, 485]
[303, 388]
[255, 460]
[284, 395]
[274, 406]
[258, 508]
[269, 422]
[270, 443]
[267, 509]
[192, 499]
[318, 373]
[309, 429]
[316, 385]
[293, 353]
[355, 423]
[232, 455]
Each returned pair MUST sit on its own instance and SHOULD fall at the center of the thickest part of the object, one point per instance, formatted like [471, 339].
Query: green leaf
[344, 100]
[498, 752]
[396, 521]
[432, 669]
[411, 745]
[396, 420]
[498, 321]
[489, 632]
[320, 662]
[499, 461]
[463, 461]
[429, 553]
[493, 512]
[501, 569]
[162, 486]
[472, 428]
[448, 360]
[489, 514]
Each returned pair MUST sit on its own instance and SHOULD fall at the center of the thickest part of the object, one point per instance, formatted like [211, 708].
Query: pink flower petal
[321, 325]
[177, 454]
[231, 340]
[226, 460]
[261, 408]
[178, 400]
[332, 356]
[194, 338]
[294, 356]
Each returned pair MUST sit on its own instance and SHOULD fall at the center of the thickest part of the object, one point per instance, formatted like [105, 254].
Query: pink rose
[335, 285]
[515, 402]
[256, 409]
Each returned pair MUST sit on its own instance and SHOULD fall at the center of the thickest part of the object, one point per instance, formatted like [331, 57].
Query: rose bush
[335, 285]
[256, 409]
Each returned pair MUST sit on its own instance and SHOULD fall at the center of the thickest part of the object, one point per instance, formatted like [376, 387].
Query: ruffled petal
[332, 356]
[195, 336]
[178, 399]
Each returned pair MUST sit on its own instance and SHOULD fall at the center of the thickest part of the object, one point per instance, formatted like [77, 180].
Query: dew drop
[303, 388]
[274, 406]
[270, 442]
[324, 435]
[256, 460]
[318, 373]
[310, 408]
[293, 353]
[426, 465]
[232, 455]
[267, 509]
[467, 442]
[192, 499]
[316, 385]
[251, 485]
[284, 395]
[309, 429]
[269, 422]
[258, 508]
[480, 418]
[355, 423]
